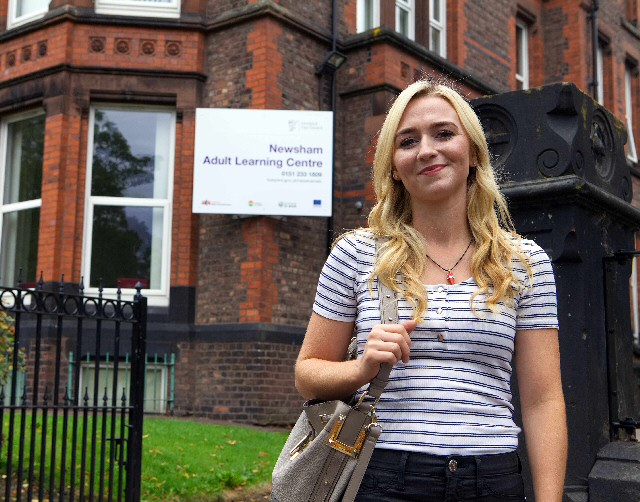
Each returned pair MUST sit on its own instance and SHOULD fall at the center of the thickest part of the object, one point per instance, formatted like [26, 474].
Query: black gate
[71, 431]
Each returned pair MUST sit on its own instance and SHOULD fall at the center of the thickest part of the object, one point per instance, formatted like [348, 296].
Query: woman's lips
[431, 169]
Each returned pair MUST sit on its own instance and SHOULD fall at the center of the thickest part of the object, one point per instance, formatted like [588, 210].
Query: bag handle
[388, 315]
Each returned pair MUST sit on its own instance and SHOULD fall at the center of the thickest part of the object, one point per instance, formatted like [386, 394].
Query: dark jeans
[394, 476]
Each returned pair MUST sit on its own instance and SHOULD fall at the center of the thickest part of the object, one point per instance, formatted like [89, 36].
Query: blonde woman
[476, 300]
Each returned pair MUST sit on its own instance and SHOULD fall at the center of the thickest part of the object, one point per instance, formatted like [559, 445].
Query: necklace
[450, 277]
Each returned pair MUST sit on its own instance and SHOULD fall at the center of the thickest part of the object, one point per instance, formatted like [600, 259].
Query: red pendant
[450, 278]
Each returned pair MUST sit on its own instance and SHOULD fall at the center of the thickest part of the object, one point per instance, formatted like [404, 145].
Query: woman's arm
[537, 359]
[322, 373]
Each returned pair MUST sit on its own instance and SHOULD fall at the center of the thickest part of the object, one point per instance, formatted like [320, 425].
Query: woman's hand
[322, 373]
[386, 343]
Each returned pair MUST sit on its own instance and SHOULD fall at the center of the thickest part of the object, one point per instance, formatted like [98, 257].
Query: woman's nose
[427, 148]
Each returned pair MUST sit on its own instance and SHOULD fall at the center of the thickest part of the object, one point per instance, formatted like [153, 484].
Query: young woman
[474, 298]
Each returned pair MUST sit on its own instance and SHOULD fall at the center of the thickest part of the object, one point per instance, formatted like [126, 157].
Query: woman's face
[432, 152]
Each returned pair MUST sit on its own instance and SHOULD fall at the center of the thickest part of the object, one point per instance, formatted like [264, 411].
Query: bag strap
[388, 315]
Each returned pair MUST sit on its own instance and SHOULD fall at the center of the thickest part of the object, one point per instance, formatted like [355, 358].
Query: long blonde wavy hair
[403, 248]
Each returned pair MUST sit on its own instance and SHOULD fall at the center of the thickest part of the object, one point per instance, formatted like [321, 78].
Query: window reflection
[125, 249]
[130, 154]
[20, 245]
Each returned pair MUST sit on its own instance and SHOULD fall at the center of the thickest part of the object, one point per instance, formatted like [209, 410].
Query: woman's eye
[445, 134]
[407, 142]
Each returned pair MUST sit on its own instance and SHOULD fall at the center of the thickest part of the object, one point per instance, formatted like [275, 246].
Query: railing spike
[41, 281]
[61, 287]
[81, 286]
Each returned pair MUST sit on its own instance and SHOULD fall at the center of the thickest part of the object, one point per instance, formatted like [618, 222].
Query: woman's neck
[442, 226]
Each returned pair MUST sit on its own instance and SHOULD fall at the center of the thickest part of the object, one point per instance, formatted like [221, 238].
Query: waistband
[501, 463]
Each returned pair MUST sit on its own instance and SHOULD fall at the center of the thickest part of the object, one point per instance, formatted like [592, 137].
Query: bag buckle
[302, 444]
[351, 450]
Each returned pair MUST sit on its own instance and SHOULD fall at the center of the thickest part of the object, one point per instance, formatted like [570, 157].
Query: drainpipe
[334, 42]
[593, 15]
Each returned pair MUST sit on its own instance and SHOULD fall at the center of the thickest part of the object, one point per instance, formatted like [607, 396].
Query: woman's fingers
[387, 343]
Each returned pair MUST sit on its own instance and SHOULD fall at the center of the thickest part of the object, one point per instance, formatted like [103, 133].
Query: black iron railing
[58, 440]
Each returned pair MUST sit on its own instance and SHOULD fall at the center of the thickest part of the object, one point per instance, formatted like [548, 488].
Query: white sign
[263, 162]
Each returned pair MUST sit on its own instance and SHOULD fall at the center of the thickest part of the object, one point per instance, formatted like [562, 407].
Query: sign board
[263, 162]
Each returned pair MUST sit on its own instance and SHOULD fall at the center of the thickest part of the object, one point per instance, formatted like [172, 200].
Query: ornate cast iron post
[561, 157]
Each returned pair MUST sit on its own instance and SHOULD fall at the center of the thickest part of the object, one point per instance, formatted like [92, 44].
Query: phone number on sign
[298, 174]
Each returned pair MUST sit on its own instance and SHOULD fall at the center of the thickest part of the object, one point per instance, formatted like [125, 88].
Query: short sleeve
[537, 305]
[335, 295]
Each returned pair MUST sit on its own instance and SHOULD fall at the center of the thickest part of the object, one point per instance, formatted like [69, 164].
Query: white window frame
[408, 7]
[361, 15]
[632, 153]
[16, 206]
[155, 379]
[522, 58]
[440, 25]
[139, 8]
[14, 20]
[600, 73]
[158, 296]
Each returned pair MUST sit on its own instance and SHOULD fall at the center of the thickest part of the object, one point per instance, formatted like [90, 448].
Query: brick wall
[488, 53]
[244, 381]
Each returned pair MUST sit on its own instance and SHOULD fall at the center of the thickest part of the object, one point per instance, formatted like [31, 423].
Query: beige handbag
[329, 448]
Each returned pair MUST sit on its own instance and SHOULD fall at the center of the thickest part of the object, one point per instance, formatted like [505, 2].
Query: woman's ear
[473, 158]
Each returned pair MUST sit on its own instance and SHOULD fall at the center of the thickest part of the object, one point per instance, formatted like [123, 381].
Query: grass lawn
[191, 461]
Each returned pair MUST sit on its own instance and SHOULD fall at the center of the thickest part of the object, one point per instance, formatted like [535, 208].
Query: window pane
[368, 14]
[19, 245]
[26, 7]
[519, 49]
[436, 12]
[25, 149]
[134, 235]
[130, 153]
[435, 41]
[632, 154]
[403, 22]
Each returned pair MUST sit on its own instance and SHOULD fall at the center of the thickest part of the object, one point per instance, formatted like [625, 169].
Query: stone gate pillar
[561, 159]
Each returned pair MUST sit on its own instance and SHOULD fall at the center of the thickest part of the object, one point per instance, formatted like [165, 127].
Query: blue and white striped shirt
[454, 395]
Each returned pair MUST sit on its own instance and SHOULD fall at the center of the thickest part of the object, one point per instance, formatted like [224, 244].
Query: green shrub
[7, 343]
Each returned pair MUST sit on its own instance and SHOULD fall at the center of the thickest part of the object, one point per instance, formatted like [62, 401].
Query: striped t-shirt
[454, 395]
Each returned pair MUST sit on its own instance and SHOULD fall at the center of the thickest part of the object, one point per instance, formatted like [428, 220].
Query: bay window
[22, 140]
[128, 217]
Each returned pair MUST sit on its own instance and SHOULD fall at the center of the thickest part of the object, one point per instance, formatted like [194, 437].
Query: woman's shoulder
[359, 240]
[530, 249]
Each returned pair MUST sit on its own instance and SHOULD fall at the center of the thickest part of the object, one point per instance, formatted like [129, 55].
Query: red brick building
[97, 121]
